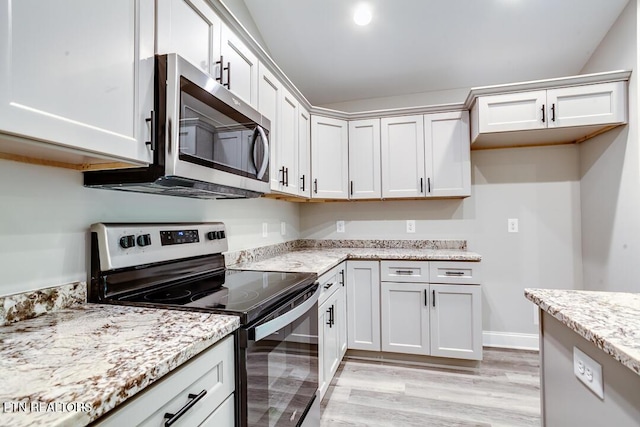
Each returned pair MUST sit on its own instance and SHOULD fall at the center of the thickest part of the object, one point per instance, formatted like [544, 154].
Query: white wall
[610, 175]
[539, 186]
[45, 213]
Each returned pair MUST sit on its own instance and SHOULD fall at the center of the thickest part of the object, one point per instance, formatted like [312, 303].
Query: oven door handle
[266, 329]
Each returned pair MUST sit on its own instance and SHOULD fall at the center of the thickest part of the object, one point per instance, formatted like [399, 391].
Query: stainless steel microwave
[207, 142]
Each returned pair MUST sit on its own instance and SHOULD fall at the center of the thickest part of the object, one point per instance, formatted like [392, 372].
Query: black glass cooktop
[248, 294]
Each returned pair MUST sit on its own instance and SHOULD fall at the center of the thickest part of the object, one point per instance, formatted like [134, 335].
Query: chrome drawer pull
[454, 273]
[404, 272]
[174, 417]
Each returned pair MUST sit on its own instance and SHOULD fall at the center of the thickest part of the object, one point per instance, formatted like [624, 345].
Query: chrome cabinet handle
[174, 417]
[219, 77]
[454, 273]
[404, 272]
[342, 277]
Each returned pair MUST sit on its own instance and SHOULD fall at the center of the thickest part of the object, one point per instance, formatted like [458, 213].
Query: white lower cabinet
[456, 321]
[205, 385]
[405, 317]
[332, 326]
[363, 305]
[418, 316]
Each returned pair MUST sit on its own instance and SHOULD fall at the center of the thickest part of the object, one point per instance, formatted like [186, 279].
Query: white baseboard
[510, 340]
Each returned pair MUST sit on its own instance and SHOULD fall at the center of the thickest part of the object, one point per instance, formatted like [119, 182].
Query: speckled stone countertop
[69, 367]
[321, 260]
[610, 320]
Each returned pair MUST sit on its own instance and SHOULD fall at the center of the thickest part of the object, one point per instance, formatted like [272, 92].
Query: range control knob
[144, 240]
[215, 235]
[127, 241]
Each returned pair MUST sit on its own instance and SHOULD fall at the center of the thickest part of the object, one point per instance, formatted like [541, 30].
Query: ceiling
[414, 46]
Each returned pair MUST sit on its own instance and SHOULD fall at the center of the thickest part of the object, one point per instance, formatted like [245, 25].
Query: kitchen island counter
[609, 320]
[72, 366]
[589, 344]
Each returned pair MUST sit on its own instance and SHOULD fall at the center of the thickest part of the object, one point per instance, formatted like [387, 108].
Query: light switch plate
[339, 226]
[589, 372]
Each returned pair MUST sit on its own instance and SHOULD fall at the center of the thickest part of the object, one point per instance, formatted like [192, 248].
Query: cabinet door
[328, 344]
[364, 159]
[187, 27]
[596, 104]
[288, 142]
[447, 154]
[405, 317]
[269, 106]
[80, 83]
[402, 140]
[241, 74]
[304, 153]
[341, 312]
[329, 158]
[363, 305]
[456, 321]
[512, 111]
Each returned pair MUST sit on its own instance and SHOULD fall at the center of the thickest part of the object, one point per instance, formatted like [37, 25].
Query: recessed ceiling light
[362, 15]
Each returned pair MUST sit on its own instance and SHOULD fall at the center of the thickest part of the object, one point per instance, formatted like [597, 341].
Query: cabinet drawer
[211, 372]
[330, 282]
[455, 272]
[404, 271]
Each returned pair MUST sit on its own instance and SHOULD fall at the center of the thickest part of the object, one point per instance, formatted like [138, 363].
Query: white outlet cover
[339, 226]
[411, 226]
[588, 371]
[512, 225]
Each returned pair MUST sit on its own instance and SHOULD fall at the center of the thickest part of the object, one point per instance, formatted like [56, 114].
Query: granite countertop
[321, 260]
[610, 320]
[71, 366]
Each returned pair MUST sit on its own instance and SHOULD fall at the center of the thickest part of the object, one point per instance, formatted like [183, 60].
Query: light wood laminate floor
[504, 390]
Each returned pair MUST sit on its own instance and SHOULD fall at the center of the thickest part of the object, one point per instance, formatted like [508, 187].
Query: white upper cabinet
[84, 84]
[239, 67]
[568, 113]
[587, 105]
[287, 143]
[188, 28]
[193, 30]
[364, 159]
[447, 154]
[512, 111]
[426, 156]
[304, 152]
[329, 158]
[269, 93]
[402, 140]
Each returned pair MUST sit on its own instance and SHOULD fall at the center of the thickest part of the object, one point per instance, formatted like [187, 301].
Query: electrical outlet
[339, 226]
[283, 228]
[411, 226]
[512, 225]
[589, 372]
[265, 229]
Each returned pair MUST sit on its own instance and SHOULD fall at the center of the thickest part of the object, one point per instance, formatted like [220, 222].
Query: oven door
[278, 369]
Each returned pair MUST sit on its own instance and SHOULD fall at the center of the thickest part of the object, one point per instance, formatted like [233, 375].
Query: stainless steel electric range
[181, 266]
